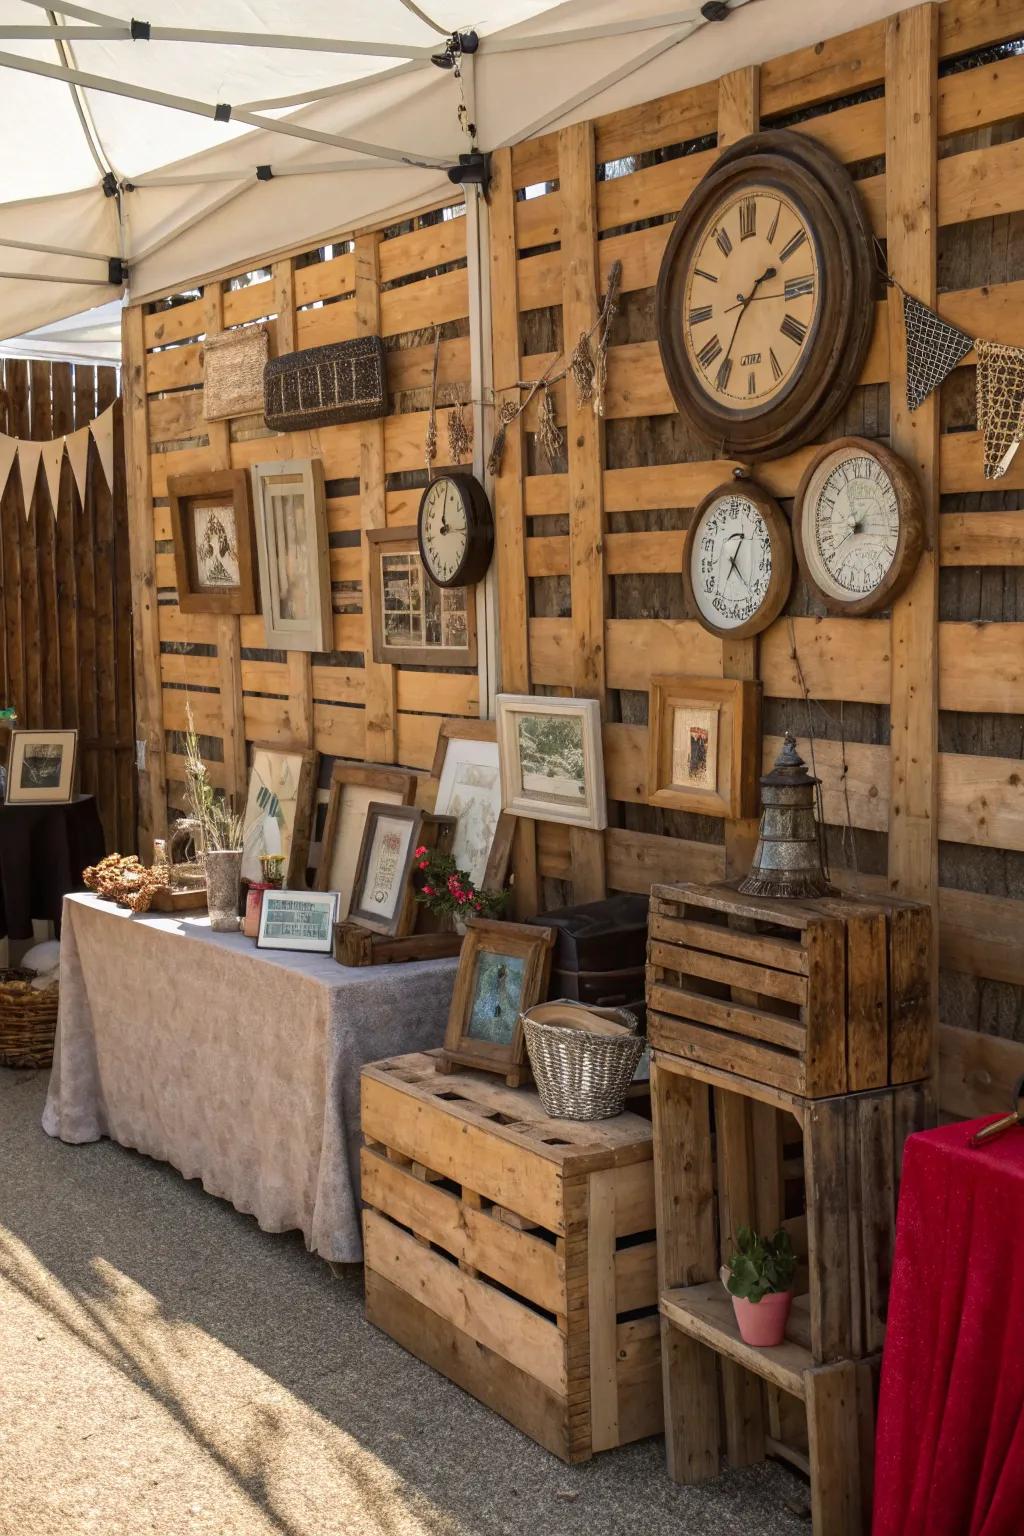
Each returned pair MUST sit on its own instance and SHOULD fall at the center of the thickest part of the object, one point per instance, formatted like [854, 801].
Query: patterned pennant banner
[1000, 404]
[934, 348]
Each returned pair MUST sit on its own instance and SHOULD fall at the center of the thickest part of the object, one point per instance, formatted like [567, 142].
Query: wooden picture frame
[264, 795]
[475, 742]
[493, 1041]
[280, 924]
[290, 510]
[41, 766]
[353, 787]
[713, 770]
[395, 561]
[383, 893]
[530, 758]
[224, 498]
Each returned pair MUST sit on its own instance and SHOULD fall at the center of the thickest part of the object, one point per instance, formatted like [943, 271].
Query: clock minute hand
[765, 275]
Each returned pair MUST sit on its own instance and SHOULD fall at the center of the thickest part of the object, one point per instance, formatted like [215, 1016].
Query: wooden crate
[815, 997]
[514, 1253]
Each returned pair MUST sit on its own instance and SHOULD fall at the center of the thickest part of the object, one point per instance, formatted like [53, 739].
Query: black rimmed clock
[456, 530]
[765, 296]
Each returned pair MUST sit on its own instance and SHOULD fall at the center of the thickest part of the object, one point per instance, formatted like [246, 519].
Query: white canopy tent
[182, 151]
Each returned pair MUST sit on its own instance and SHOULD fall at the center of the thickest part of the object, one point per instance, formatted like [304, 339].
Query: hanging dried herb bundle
[508, 410]
[609, 310]
[583, 369]
[430, 440]
[460, 432]
[549, 433]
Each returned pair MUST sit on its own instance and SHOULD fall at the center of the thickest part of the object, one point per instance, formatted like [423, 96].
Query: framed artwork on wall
[704, 745]
[353, 787]
[468, 775]
[212, 529]
[415, 622]
[552, 766]
[298, 920]
[294, 559]
[41, 767]
[383, 894]
[278, 808]
[503, 970]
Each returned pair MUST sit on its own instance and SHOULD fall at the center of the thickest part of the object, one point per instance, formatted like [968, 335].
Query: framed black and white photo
[298, 920]
[41, 767]
[552, 768]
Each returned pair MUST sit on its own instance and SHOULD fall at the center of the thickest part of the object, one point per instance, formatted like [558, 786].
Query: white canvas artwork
[470, 790]
[271, 808]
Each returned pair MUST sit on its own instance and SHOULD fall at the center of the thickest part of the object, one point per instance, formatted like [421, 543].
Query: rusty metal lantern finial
[790, 857]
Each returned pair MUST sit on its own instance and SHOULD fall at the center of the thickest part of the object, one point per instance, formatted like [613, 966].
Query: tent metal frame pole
[277, 173]
[54, 250]
[46, 277]
[330, 92]
[204, 109]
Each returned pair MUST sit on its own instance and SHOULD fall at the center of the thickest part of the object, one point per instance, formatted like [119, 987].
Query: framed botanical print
[383, 894]
[278, 809]
[295, 569]
[298, 920]
[552, 768]
[353, 787]
[41, 767]
[703, 752]
[503, 971]
[212, 529]
[468, 775]
[415, 622]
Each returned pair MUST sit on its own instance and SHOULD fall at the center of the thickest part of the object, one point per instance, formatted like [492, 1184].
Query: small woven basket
[233, 366]
[28, 1021]
[580, 1074]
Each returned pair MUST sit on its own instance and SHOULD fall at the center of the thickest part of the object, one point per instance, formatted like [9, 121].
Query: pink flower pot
[763, 1323]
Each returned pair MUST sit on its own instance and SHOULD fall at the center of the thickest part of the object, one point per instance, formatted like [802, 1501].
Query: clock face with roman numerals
[765, 297]
[751, 298]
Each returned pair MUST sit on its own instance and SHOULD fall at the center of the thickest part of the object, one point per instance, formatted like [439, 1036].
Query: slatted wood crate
[514, 1253]
[817, 998]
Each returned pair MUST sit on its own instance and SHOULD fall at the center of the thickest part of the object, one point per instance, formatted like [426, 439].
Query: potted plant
[447, 892]
[220, 832]
[759, 1277]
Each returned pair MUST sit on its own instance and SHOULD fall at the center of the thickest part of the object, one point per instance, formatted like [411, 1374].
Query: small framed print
[415, 622]
[468, 773]
[295, 568]
[552, 768]
[383, 895]
[353, 787]
[503, 971]
[278, 810]
[704, 745]
[212, 529]
[298, 920]
[41, 767]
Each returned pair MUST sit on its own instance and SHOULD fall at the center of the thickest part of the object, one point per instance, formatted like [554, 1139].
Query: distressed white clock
[858, 525]
[737, 560]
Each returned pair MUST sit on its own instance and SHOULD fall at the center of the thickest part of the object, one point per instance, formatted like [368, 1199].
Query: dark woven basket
[28, 1021]
[326, 386]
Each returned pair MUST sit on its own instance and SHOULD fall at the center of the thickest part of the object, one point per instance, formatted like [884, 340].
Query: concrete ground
[168, 1368]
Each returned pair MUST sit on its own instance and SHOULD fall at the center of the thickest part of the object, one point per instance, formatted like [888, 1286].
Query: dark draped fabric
[43, 850]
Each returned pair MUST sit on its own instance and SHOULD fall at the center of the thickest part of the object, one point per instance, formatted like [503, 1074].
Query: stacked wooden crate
[792, 1055]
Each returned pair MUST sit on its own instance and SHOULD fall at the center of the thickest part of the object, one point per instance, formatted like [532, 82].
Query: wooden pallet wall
[65, 591]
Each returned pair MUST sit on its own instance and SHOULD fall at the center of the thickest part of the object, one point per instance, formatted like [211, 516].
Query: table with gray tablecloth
[238, 1066]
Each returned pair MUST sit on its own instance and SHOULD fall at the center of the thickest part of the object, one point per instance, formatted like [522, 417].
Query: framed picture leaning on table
[298, 920]
[41, 767]
[278, 810]
[353, 787]
[503, 971]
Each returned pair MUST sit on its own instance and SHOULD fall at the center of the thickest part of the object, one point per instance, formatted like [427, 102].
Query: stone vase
[223, 885]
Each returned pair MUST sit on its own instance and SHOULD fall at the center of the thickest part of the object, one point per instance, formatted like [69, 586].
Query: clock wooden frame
[480, 530]
[781, 580]
[824, 193]
[913, 521]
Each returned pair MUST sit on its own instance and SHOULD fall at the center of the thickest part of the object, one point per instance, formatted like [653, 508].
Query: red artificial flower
[423, 864]
[428, 890]
[421, 850]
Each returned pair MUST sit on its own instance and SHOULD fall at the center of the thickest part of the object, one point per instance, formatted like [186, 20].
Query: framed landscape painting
[41, 767]
[552, 768]
[295, 571]
[278, 808]
[703, 745]
[212, 529]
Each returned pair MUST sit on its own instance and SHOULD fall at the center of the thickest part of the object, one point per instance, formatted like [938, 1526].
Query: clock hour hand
[743, 302]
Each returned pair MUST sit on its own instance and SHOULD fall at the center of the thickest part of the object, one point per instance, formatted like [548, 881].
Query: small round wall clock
[858, 525]
[765, 296]
[456, 530]
[738, 559]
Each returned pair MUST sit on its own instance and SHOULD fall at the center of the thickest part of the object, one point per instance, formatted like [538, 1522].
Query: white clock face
[851, 525]
[445, 530]
[731, 562]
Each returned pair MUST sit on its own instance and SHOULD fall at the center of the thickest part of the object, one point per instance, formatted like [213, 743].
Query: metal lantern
[790, 856]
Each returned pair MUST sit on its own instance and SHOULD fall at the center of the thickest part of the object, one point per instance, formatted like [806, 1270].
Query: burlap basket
[28, 1021]
[233, 366]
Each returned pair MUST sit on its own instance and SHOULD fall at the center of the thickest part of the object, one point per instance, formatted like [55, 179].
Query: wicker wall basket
[28, 1021]
[583, 1059]
[233, 365]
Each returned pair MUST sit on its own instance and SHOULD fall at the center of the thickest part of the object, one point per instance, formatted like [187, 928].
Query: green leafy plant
[219, 826]
[445, 889]
[761, 1265]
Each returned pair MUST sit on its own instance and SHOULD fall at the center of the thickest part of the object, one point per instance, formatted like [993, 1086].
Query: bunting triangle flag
[77, 444]
[53, 457]
[934, 348]
[8, 452]
[102, 430]
[29, 455]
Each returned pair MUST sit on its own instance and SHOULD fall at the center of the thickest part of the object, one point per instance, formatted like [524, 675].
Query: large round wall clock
[737, 559]
[765, 296]
[456, 530]
[858, 525]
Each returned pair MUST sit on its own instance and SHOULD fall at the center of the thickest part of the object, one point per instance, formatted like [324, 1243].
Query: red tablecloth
[950, 1445]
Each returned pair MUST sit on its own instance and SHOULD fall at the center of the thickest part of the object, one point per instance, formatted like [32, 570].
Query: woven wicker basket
[28, 1021]
[582, 1073]
[233, 364]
